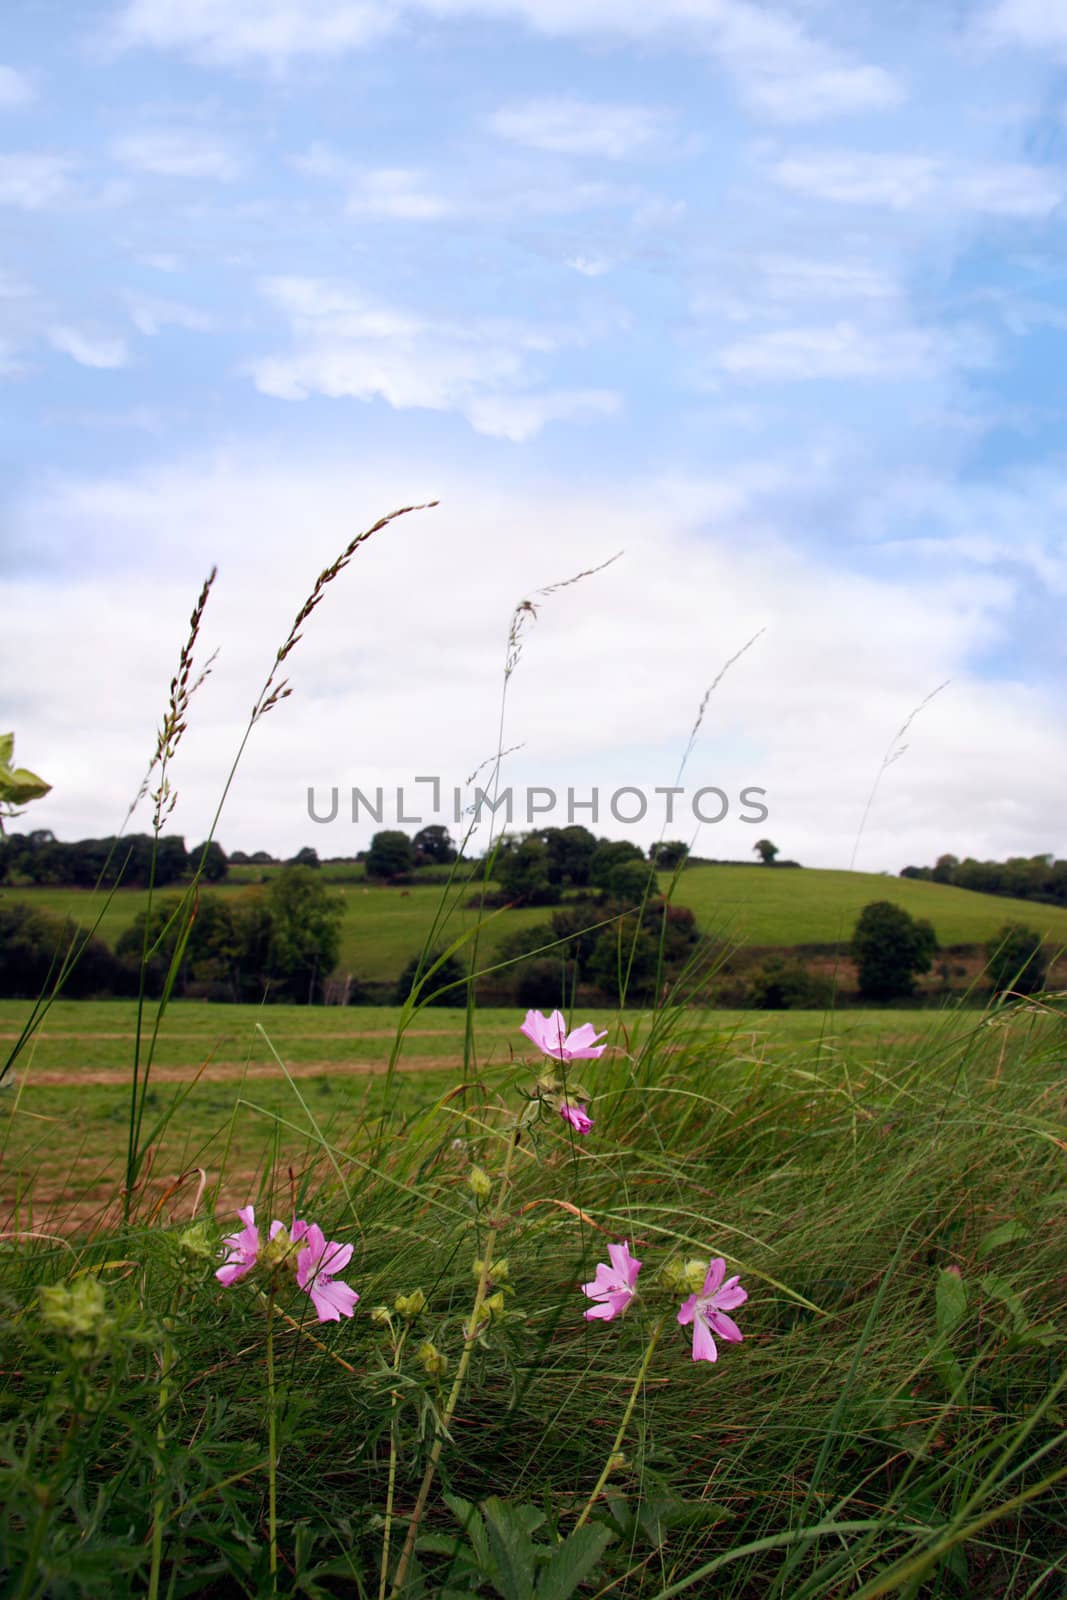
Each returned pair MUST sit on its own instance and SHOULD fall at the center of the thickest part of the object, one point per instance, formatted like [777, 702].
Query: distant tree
[570, 854]
[433, 846]
[523, 871]
[669, 854]
[766, 851]
[451, 976]
[632, 882]
[305, 933]
[209, 953]
[944, 868]
[890, 947]
[216, 866]
[34, 946]
[609, 854]
[1015, 961]
[306, 857]
[391, 856]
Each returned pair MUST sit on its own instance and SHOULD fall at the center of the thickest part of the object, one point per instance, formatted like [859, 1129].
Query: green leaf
[573, 1562]
[1007, 1233]
[7, 749]
[17, 786]
[511, 1548]
[473, 1526]
[950, 1301]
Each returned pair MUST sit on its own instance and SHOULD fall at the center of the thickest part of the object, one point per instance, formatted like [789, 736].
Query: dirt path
[233, 1071]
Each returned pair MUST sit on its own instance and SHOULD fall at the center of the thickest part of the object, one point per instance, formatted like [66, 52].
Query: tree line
[1040, 878]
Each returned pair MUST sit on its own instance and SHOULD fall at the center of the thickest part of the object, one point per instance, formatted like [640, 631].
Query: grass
[839, 1168]
[384, 927]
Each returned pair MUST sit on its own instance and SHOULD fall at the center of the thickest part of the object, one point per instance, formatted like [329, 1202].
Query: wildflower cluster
[550, 1036]
[705, 1308]
[303, 1250]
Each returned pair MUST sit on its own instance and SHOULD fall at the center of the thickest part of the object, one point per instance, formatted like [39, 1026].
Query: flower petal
[686, 1309]
[715, 1274]
[703, 1344]
[730, 1296]
[724, 1326]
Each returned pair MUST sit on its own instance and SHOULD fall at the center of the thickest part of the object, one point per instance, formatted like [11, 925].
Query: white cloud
[160, 261]
[1034, 24]
[177, 153]
[346, 345]
[848, 350]
[33, 181]
[702, 571]
[88, 349]
[580, 127]
[520, 416]
[16, 89]
[272, 31]
[904, 182]
[589, 266]
[150, 316]
[397, 193]
[780, 69]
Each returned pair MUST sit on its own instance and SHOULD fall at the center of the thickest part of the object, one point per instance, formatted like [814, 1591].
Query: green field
[888, 1186]
[385, 927]
[71, 1089]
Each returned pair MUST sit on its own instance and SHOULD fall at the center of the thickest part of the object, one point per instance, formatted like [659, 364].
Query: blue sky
[769, 296]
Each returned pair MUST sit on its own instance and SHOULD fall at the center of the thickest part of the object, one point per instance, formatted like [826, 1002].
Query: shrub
[889, 948]
[1014, 960]
[451, 976]
[782, 985]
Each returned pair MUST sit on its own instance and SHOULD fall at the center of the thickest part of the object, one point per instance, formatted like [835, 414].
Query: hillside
[754, 905]
[770, 906]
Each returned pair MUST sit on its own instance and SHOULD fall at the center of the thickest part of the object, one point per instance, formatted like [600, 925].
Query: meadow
[748, 906]
[889, 1187]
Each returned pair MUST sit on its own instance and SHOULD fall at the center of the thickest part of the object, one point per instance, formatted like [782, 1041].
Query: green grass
[772, 906]
[384, 927]
[840, 1164]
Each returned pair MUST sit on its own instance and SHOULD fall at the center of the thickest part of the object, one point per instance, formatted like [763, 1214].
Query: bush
[391, 856]
[889, 948]
[782, 985]
[1014, 960]
[33, 945]
[451, 976]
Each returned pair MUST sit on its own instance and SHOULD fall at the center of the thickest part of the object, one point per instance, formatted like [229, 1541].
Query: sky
[768, 298]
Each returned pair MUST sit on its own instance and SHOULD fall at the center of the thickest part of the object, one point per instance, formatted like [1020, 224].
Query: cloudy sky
[770, 298]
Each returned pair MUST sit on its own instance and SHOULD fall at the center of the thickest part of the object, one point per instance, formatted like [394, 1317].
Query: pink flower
[316, 1265]
[577, 1116]
[550, 1035]
[243, 1249]
[707, 1311]
[613, 1287]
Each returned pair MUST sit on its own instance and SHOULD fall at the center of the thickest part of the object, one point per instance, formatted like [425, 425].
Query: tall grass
[894, 1421]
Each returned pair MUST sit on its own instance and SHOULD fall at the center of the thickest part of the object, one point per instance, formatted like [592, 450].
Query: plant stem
[623, 1425]
[391, 1489]
[272, 1446]
[159, 1503]
[461, 1372]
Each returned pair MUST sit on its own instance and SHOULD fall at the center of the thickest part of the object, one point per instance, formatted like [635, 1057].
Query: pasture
[888, 1186]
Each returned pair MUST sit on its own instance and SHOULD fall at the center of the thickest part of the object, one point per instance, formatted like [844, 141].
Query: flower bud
[278, 1252]
[381, 1316]
[409, 1305]
[79, 1310]
[196, 1242]
[480, 1183]
[435, 1364]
